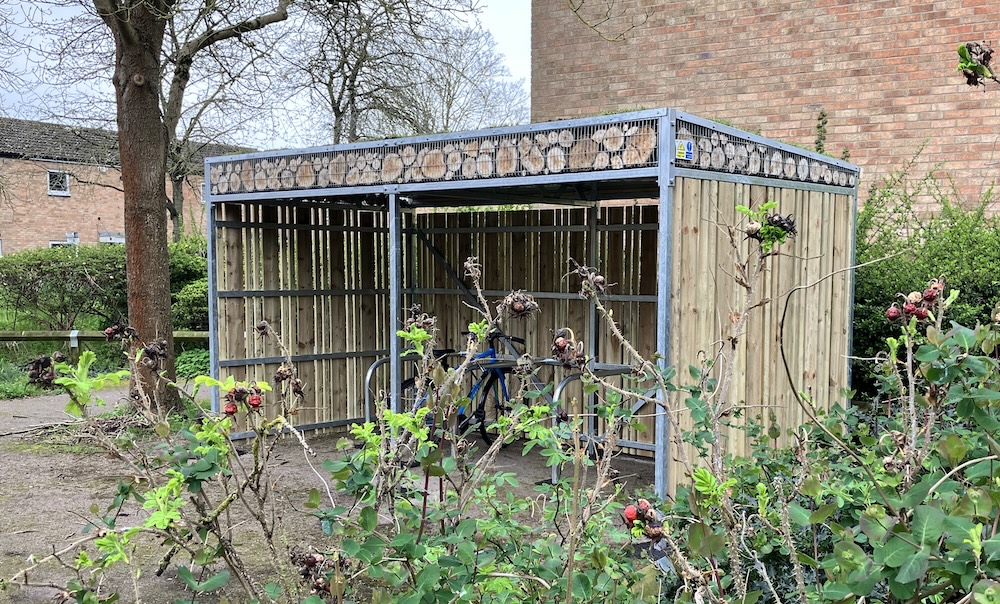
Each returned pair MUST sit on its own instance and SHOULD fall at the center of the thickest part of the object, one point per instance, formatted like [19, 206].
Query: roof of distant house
[27, 139]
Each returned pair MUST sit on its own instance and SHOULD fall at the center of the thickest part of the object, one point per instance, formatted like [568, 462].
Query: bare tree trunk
[138, 37]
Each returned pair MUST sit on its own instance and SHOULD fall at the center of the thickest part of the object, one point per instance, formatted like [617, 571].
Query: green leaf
[273, 591]
[896, 552]
[368, 519]
[927, 353]
[704, 542]
[836, 592]
[964, 337]
[798, 514]
[914, 567]
[811, 487]
[903, 591]
[428, 578]
[928, 524]
[822, 513]
[214, 582]
[313, 502]
[991, 548]
[986, 591]
[953, 448]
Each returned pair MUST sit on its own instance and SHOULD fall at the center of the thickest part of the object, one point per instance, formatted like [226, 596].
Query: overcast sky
[508, 20]
[510, 23]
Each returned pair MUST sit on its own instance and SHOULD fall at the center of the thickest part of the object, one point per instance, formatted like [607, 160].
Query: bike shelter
[330, 245]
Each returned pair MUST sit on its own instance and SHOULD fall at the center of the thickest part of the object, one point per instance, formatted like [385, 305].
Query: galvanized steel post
[395, 289]
[664, 264]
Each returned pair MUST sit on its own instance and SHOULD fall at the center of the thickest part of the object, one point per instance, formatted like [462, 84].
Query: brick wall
[884, 71]
[30, 217]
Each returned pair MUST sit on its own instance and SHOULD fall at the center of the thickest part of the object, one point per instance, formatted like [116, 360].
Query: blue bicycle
[489, 397]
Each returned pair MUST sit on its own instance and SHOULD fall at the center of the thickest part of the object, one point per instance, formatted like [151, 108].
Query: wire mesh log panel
[715, 148]
[706, 301]
[314, 275]
[614, 143]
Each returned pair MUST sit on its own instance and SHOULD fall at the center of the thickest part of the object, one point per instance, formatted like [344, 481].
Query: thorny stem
[786, 532]
[727, 376]
[648, 369]
[806, 408]
[911, 394]
[54, 556]
[574, 513]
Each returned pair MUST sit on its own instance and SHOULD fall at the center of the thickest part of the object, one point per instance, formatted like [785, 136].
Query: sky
[508, 20]
[510, 23]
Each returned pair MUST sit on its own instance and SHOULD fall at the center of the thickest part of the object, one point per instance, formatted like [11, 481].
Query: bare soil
[49, 479]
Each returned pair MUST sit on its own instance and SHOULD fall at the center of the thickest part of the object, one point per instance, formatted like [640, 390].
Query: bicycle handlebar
[498, 335]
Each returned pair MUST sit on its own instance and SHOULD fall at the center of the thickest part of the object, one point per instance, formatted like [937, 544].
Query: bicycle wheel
[408, 392]
[492, 405]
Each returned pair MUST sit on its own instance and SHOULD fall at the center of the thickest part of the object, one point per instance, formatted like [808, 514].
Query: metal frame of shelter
[575, 163]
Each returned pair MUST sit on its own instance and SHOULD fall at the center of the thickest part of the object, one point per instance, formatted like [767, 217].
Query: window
[113, 238]
[58, 183]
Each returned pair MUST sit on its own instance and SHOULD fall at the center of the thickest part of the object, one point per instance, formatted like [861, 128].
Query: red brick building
[62, 184]
[883, 70]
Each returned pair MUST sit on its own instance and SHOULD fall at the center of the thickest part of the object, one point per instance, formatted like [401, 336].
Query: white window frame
[58, 192]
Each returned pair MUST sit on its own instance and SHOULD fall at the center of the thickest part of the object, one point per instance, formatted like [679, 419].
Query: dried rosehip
[230, 408]
[915, 298]
[254, 401]
[893, 313]
[909, 308]
[298, 387]
[262, 328]
[283, 373]
[930, 294]
[921, 313]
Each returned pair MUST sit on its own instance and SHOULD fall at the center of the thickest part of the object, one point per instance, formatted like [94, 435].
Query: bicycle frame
[490, 353]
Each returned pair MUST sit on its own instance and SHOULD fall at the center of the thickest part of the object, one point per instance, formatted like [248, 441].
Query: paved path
[25, 413]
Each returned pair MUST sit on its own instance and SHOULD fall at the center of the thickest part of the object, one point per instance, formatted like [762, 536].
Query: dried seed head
[263, 328]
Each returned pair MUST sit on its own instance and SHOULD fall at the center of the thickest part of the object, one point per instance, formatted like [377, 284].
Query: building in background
[61, 185]
[884, 72]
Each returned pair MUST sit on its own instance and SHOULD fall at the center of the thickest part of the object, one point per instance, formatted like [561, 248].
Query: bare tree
[379, 70]
[457, 82]
[9, 46]
[139, 30]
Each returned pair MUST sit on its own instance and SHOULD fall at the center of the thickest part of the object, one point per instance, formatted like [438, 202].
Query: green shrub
[191, 306]
[188, 262]
[14, 382]
[54, 288]
[961, 242]
[85, 287]
[192, 363]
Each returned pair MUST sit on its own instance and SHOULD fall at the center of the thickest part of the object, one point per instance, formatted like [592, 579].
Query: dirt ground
[48, 482]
